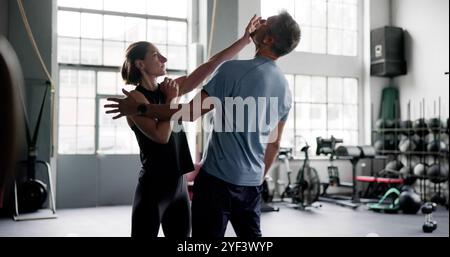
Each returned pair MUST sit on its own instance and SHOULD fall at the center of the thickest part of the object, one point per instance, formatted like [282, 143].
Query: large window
[328, 26]
[323, 107]
[92, 38]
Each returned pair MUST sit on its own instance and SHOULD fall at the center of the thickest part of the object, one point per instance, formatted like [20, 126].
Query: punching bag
[11, 119]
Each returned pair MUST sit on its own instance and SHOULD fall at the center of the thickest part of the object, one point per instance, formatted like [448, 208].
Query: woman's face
[154, 62]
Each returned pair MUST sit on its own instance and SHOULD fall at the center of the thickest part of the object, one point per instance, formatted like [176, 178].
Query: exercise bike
[305, 191]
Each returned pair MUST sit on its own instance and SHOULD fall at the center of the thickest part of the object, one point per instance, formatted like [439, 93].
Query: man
[228, 188]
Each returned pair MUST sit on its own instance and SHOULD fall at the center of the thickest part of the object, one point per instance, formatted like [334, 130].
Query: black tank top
[173, 158]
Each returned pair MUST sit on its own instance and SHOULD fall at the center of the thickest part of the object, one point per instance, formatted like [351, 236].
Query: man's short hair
[286, 32]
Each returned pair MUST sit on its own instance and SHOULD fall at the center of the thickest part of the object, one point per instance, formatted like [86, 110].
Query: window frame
[111, 68]
[326, 27]
[326, 103]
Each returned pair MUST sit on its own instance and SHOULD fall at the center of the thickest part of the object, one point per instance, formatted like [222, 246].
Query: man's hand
[170, 89]
[266, 178]
[252, 26]
[125, 107]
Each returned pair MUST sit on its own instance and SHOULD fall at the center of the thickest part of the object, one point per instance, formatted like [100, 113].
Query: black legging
[161, 200]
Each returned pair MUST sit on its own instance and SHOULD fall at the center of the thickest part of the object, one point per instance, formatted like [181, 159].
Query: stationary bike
[305, 191]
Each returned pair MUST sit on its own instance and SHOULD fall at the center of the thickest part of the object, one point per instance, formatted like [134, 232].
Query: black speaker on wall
[387, 52]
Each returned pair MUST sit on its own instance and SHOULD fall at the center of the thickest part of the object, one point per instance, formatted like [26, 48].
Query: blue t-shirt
[254, 96]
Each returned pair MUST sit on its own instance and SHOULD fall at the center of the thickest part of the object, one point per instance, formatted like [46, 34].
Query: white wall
[427, 42]
[426, 48]
[376, 15]
[226, 24]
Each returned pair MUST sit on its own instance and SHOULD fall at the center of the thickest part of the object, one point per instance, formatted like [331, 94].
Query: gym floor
[327, 221]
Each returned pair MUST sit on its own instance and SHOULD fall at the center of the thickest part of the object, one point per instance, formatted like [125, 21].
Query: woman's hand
[170, 89]
[122, 107]
[252, 26]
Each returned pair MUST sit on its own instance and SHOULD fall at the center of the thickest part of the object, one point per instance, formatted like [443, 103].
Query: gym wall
[226, 24]
[427, 55]
[40, 18]
[4, 18]
[89, 181]
[426, 47]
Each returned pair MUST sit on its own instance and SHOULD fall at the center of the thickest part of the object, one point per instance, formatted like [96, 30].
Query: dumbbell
[430, 225]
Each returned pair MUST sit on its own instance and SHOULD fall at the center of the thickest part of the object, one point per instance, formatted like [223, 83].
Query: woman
[161, 195]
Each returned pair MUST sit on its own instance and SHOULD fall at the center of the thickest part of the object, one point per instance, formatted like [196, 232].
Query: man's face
[261, 32]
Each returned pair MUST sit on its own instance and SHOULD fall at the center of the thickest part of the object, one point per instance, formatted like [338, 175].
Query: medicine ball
[429, 160]
[379, 145]
[434, 173]
[420, 170]
[444, 138]
[436, 146]
[435, 124]
[391, 124]
[437, 173]
[380, 124]
[420, 143]
[32, 194]
[390, 141]
[405, 171]
[407, 188]
[406, 145]
[409, 160]
[431, 137]
[407, 174]
[409, 202]
[394, 166]
[421, 127]
[406, 127]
